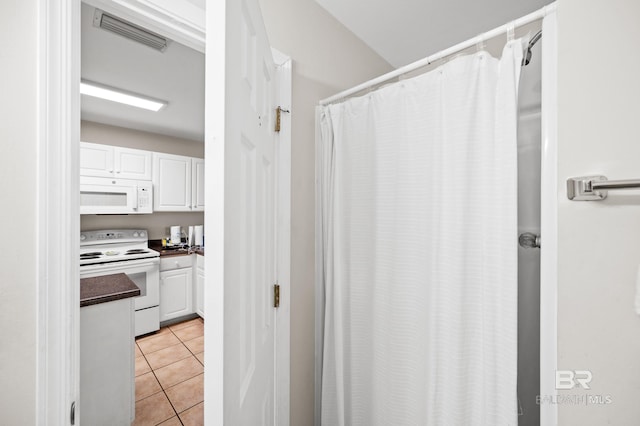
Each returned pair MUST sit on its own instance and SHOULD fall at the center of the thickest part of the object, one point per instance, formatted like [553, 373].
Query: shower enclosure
[532, 154]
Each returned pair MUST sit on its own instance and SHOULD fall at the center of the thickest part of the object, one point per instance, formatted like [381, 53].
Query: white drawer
[200, 261]
[168, 263]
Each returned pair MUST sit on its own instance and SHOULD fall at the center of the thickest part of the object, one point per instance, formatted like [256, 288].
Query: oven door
[145, 273]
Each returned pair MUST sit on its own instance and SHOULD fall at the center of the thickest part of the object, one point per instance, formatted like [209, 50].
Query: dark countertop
[106, 288]
[157, 246]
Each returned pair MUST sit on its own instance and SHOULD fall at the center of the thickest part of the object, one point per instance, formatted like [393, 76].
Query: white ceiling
[404, 31]
[175, 75]
[401, 31]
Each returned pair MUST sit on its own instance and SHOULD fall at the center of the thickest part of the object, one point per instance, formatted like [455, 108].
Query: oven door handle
[126, 264]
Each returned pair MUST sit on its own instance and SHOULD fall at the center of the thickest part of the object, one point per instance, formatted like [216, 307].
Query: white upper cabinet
[178, 183]
[132, 163]
[96, 160]
[171, 182]
[113, 161]
[197, 184]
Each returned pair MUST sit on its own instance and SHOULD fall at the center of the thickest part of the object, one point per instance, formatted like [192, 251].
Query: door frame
[283, 313]
[58, 216]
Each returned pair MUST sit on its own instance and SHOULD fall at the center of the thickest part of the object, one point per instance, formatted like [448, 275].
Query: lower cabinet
[176, 293]
[181, 286]
[107, 363]
[199, 286]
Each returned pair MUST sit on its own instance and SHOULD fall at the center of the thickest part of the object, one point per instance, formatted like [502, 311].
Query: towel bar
[594, 188]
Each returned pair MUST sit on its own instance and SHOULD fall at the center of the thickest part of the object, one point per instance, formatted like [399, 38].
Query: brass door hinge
[276, 295]
[279, 112]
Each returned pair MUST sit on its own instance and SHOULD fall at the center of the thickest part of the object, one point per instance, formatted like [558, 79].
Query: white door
[96, 160]
[132, 163]
[176, 293]
[171, 182]
[199, 287]
[249, 211]
[197, 184]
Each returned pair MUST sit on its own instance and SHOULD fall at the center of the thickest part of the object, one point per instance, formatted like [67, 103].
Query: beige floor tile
[185, 324]
[194, 416]
[146, 385]
[195, 345]
[178, 372]
[187, 394]
[173, 421]
[161, 332]
[167, 356]
[153, 410]
[137, 350]
[200, 357]
[191, 332]
[142, 366]
[156, 343]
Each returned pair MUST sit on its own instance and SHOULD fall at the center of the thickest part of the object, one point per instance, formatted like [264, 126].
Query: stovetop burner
[92, 255]
[114, 245]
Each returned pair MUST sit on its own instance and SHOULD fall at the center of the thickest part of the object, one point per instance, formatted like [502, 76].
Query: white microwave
[115, 196]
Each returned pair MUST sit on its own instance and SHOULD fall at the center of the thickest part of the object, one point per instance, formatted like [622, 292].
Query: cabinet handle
[117, 171]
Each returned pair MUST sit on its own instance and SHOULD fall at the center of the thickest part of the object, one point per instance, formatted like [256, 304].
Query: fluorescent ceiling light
[103, 92]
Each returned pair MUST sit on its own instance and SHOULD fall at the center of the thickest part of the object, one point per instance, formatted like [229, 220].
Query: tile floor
[170, 376]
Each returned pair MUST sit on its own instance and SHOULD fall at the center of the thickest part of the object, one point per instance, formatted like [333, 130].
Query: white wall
[18, 144]
[119, 136]
[327, 58]
[157, 223]
[599, 253]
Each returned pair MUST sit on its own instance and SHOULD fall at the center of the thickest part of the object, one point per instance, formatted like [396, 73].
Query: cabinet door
[199, 299]
[96, 160]
[197, 184]
[176, 294]
[171, 182]
[132, 163]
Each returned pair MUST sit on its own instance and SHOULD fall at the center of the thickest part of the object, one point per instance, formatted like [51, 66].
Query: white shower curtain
[417, 230]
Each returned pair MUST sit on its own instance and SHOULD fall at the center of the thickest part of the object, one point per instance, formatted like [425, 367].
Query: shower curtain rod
[527, 19]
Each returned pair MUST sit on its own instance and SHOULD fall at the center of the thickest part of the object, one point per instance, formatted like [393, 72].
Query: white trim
[214, 154]
[283, 313]
[178, 20]
[549, 221]
[319, 277]
[527, 19]
[58, 217]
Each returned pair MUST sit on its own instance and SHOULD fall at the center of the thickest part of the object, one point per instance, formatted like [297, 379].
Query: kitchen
[142, 214]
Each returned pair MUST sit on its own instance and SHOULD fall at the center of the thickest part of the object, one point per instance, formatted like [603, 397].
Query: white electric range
[126, 251]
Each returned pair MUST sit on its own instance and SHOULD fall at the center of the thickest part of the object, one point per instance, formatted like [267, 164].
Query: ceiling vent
[129, 30]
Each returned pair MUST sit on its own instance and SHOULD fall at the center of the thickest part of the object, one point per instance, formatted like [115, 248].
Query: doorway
[185, 24]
